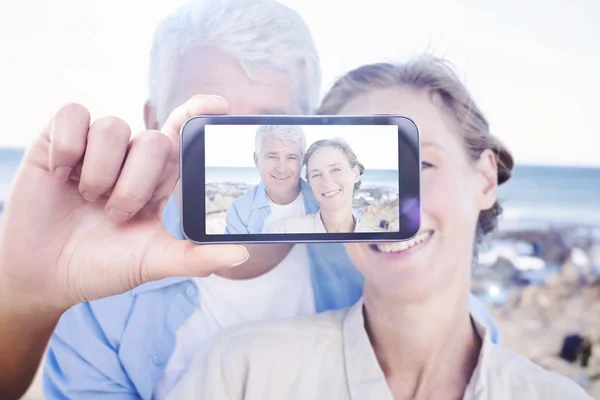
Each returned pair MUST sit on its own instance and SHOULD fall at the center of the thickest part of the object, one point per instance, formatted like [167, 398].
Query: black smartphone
[300, 179]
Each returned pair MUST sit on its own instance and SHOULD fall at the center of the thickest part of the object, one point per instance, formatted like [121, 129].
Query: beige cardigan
[329, 356]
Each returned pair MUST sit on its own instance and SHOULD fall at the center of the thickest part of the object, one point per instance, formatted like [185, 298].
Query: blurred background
[532, 67]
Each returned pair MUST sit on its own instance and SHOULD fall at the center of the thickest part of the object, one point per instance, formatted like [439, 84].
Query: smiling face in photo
[331, 178]
[279, 165]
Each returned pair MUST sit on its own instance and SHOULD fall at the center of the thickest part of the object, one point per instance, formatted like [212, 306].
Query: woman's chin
[332, 206]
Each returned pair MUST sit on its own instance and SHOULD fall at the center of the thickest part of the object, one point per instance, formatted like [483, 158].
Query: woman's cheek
[436, 196]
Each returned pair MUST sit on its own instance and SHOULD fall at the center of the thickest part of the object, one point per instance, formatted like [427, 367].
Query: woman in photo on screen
[411, 335]
[333, 172]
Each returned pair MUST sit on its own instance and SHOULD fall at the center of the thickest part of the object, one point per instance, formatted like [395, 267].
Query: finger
[68, 137]
[140, 175]
[172, 257]
[107, 143]
[197, 105]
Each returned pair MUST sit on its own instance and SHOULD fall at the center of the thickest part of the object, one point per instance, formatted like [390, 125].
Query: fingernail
[63, 173]
[117, 215]
[90, 197]
[239, 253]
[218, 100]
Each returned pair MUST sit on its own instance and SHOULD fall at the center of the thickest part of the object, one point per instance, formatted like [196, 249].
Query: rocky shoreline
[542, 286]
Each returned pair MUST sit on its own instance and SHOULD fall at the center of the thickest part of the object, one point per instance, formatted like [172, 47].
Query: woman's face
[331, 178]
[453, 192]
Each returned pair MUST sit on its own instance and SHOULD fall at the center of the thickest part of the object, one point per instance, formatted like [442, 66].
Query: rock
[548, 245]
[221, 202]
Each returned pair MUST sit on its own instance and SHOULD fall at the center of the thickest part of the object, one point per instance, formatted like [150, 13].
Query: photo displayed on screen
[302, 178]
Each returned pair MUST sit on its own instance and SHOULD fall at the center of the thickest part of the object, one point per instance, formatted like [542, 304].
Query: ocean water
[535, 195]
[376, 177]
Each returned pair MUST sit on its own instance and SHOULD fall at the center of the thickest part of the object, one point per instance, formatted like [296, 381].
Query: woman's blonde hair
[436, 76]
[343, 147]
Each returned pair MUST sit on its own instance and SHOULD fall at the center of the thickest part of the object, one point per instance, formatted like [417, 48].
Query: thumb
[182, 258]
[197, 105]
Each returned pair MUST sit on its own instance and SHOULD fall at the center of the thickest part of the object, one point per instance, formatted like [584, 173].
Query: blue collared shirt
[247, 213]
[118, 347]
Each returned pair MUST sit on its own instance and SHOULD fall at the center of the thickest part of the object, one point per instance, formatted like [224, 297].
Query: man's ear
[150, 118]
[255, 160]
[487, 168]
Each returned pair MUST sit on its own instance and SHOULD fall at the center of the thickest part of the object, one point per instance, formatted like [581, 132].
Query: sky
[366, 142]
[531, 65]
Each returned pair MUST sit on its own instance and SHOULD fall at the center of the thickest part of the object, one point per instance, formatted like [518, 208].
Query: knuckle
[68, 148]
[198, 99]
[154, 142]
[129, 199]
[69, 128]
[112, 126]
[73, 109]
[96, 184]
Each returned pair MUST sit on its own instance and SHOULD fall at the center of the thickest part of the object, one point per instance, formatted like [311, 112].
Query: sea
[535, 196]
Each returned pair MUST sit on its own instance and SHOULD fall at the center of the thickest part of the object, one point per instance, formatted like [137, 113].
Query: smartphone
[299, 179]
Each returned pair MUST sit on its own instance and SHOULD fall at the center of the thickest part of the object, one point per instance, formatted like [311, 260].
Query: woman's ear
[487, 170]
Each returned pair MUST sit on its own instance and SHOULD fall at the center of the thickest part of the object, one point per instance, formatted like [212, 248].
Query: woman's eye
[425, 164]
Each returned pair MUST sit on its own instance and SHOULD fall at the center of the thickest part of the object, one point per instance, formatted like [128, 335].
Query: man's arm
[82, 360]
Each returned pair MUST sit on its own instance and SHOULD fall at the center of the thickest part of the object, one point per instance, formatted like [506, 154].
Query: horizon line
[517, 164]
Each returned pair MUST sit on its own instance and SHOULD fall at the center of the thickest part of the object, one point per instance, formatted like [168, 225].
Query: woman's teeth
[403, 246]
[333, 193]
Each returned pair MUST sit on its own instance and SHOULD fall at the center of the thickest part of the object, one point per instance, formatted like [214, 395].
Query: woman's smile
[403, 249]
[332, 193]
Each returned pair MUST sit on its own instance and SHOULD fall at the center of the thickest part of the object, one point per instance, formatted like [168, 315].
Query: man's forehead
[210, 71]
[273, 143]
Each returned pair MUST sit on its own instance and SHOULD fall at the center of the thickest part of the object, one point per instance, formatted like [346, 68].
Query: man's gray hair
[287, 133]
[261, 34]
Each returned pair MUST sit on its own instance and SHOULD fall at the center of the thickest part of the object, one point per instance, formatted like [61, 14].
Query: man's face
[279, 164]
